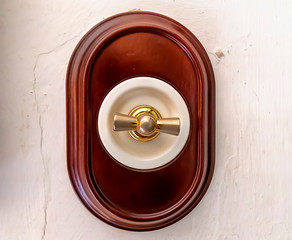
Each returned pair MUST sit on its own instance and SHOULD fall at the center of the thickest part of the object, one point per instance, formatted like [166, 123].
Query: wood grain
[124, 46]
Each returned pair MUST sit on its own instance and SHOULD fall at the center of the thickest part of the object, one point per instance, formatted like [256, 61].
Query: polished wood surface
[124, 46]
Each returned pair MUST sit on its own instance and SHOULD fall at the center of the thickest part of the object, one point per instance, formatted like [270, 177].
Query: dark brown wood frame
[80, 127]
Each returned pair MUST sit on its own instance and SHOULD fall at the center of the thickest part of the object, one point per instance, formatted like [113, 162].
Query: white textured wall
[250, 196]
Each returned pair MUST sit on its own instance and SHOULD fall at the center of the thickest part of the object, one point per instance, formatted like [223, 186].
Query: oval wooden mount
[129, 45]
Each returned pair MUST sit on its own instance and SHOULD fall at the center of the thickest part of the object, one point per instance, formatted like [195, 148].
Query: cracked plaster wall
[249, 44]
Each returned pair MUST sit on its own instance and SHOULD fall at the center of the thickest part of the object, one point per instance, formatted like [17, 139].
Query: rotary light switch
[155, 137]
[140, 121]
[144, 123]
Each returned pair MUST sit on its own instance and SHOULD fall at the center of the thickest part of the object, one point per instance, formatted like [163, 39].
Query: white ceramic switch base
[123, 98]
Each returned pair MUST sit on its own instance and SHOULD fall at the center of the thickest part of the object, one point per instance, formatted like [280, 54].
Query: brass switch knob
[145, 123]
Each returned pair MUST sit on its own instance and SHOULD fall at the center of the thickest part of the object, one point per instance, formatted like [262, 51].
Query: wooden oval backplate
[129, 45]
